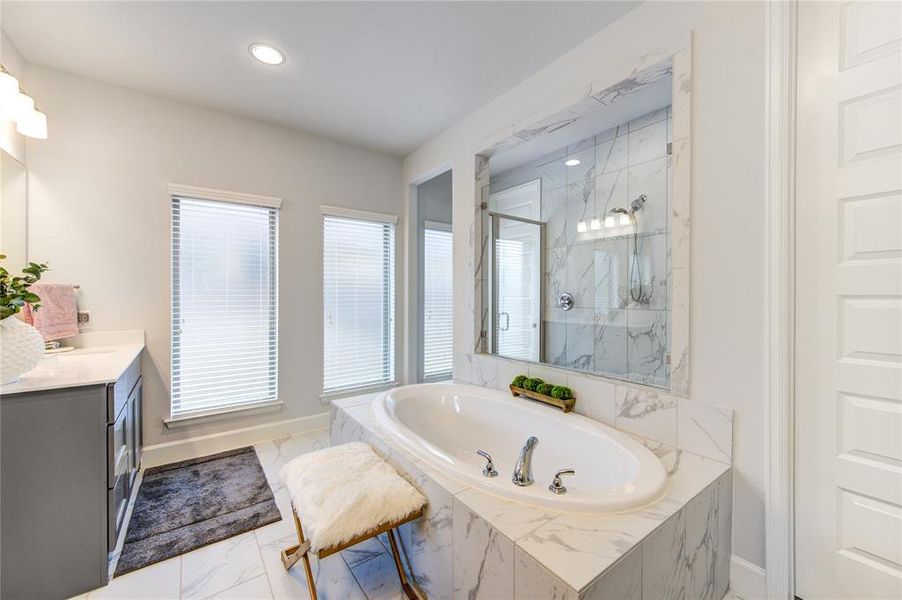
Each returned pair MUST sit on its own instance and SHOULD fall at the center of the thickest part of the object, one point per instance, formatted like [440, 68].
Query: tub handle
[557, 487]
[489, 470]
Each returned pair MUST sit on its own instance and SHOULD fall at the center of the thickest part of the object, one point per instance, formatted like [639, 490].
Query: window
[438, 304]
[358, 301]
[224, 306]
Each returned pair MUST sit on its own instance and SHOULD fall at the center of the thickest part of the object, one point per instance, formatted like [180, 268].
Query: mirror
[13, 204]
[578, 228]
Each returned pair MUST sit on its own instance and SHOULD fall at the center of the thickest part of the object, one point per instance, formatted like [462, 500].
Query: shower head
[636, 205]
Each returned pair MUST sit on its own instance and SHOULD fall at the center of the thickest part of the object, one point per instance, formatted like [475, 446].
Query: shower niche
[578, 216]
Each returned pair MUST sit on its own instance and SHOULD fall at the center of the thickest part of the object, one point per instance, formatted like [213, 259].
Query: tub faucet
[523, 470]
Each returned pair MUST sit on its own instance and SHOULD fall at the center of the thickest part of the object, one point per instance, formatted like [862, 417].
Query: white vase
[21, 347]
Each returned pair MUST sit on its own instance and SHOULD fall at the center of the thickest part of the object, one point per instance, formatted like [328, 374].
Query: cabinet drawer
[118, 393]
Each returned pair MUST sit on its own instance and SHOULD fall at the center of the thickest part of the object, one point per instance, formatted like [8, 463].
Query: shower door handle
[507, 321]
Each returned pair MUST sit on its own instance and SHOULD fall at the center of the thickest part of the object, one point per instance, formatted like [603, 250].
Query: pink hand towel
[56, 317]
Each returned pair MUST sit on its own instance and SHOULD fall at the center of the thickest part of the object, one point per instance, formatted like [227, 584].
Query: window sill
[221, 415]
[327, 397]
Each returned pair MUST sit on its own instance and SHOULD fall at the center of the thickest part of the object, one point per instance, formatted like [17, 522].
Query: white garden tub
[444, 424]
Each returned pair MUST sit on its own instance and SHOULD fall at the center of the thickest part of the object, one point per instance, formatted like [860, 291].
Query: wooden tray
[564, 405]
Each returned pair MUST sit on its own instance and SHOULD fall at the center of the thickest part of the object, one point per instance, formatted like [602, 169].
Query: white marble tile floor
[247, 566]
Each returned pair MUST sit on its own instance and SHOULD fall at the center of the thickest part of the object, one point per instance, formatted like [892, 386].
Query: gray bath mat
[185, 505]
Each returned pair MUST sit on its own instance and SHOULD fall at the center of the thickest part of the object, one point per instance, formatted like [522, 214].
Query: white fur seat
[345, 492]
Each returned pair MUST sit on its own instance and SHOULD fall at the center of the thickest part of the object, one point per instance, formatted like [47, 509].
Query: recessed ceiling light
[572, 162]
[266, 54]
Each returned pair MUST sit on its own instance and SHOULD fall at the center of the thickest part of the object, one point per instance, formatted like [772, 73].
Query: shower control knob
[565, 301]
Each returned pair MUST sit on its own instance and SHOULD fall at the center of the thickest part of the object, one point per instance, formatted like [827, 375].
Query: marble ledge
[576, 549]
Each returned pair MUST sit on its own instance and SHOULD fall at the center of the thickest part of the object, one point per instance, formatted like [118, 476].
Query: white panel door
[849, 301]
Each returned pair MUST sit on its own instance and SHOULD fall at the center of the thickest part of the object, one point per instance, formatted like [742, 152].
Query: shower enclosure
[517, 245]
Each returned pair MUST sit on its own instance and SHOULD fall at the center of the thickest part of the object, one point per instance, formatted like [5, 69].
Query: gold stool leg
[291, 555]
[405, 585]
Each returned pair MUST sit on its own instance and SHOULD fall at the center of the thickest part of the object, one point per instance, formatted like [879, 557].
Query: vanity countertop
[98, 358]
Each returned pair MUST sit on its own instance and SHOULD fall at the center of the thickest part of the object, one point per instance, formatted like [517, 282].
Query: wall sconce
[595, 224]
[18, 106]
[581, 227]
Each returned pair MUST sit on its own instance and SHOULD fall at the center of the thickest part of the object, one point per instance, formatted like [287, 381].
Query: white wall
[99, 213]
[727, 312]
[10, 140]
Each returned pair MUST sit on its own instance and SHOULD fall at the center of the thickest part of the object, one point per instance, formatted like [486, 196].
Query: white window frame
[352, 213]
[215, 195]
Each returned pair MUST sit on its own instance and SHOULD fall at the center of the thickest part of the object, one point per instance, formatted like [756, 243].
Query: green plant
[532, 383]
[544, 388]
[561, 392]
[14, 292]
[519, 380]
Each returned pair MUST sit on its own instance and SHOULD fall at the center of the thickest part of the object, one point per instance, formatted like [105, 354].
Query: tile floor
[247, 567]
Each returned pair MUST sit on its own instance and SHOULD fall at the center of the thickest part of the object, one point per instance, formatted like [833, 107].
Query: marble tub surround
[608, 333]
[474, 544]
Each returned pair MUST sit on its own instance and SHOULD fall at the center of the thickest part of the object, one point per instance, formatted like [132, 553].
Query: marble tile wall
[655, 332]
[476, 545]
[608, 332]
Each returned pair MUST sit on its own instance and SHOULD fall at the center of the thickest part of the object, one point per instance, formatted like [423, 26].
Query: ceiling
[383, 75]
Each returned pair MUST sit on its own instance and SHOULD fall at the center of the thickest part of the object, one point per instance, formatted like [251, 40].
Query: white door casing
[848, 423]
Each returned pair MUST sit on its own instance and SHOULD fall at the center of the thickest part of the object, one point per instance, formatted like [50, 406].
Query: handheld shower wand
[635, 267]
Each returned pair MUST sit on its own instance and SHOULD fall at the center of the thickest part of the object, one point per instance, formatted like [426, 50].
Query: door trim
[780, 91]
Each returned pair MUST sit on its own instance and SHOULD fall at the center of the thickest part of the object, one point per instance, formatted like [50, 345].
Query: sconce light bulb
[9, 94]
[595, 224]
[609, 221]
[581, 227]
[624, 219]
[33, 125]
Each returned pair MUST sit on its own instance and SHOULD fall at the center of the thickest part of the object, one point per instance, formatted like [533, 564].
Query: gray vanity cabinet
[69, 460]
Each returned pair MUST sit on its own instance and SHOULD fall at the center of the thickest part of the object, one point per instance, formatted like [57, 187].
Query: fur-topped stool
[344, 495]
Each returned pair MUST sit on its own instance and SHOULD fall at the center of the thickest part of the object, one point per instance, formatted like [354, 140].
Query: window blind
[438, 304]
[224, 306]
[358, 303]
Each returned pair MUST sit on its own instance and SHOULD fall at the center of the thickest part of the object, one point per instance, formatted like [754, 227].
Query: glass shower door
[517, 287]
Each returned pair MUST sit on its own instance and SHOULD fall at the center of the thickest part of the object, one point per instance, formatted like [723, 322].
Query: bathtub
[444, 424]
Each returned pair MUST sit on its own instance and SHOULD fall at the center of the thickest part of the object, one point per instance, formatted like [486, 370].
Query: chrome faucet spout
[523, 470]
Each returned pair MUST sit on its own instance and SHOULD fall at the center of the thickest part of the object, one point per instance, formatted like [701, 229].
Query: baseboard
[168, 452]
[747, 579]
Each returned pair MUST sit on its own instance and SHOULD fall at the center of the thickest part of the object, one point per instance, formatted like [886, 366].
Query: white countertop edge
[99, 358]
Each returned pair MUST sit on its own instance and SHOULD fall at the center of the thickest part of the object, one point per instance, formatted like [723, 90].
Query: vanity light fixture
[609, 221]
[266, 54]
[624, 219]
[595, 224]
[581, 227]
[16, 105]
[572, 162]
